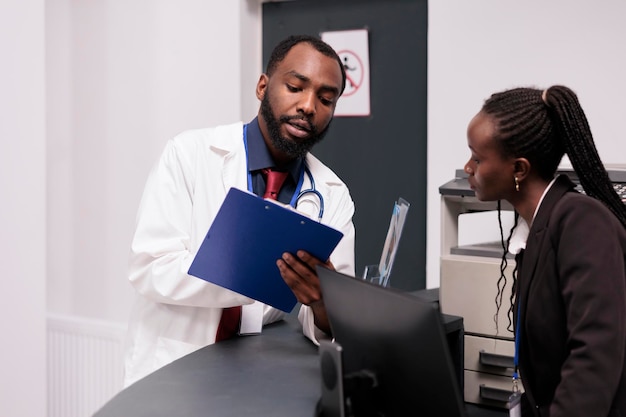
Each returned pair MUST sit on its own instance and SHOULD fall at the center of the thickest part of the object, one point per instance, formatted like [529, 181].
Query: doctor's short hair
[281, 50]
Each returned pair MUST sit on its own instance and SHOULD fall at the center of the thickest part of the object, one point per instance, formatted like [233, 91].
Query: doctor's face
[298, 100]
[491, 174]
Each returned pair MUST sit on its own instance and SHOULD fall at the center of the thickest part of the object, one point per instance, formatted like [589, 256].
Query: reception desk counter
[273, 374]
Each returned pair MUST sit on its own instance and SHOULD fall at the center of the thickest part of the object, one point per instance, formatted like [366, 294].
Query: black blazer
[572, 289]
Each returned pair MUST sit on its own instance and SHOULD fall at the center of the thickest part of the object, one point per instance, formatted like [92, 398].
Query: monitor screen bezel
[398, 337]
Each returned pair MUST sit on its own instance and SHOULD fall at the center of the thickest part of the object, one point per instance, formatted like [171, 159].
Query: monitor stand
[351, 395]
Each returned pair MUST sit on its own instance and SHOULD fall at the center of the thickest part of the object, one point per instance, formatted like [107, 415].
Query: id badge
[515, 404]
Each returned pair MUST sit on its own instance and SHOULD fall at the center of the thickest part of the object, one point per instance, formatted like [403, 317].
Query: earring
[516, 184]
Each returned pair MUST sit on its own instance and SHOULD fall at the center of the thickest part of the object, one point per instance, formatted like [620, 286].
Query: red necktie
[273, 181]
[231, 316]
[229, 323]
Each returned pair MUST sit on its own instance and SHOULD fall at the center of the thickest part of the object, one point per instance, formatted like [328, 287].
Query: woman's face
[491, 175]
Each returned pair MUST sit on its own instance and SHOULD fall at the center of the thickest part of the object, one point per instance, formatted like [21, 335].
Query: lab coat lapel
[235, 173]
[229, 145]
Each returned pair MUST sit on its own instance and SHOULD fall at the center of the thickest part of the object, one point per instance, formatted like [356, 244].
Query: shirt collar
[521, 231]
[259, 156]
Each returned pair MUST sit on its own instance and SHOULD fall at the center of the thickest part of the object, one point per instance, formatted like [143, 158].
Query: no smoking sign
[353, 50]
[353, 66]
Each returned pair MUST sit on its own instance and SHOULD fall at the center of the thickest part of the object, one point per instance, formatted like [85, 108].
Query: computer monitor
[398, 338]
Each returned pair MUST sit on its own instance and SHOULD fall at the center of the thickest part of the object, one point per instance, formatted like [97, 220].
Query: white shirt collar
[520, 233]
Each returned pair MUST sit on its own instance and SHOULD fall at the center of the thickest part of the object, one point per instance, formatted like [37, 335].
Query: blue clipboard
[248, 236]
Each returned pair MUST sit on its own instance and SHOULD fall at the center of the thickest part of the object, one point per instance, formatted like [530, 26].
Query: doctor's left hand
[300, 275]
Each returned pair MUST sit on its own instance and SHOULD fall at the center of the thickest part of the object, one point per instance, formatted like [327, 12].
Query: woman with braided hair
[569, 284]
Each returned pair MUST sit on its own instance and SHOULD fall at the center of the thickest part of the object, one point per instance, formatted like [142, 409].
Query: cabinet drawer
[468, 288]
[487, 389]
[485, 354]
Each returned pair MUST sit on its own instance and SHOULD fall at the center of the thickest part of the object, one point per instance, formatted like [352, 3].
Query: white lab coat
[175, 313]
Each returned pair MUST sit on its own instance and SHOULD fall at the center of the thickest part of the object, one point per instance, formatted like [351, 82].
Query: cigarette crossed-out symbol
[354, 71]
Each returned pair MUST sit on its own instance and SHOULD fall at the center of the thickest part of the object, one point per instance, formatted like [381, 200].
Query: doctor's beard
[295, 149]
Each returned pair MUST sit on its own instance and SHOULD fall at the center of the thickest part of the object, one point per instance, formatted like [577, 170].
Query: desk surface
[276, 373]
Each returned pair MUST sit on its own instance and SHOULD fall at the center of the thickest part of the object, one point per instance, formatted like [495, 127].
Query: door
[381, 157]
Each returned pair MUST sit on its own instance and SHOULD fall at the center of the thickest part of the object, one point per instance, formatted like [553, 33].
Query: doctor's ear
[261, 86]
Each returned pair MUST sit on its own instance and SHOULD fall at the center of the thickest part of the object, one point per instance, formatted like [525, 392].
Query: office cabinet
[468, 288]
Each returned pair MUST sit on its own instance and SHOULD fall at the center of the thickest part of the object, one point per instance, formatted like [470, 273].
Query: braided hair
[542, 127]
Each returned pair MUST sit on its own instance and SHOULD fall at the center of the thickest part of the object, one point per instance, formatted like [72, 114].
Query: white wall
[23, 209]
[123, 77]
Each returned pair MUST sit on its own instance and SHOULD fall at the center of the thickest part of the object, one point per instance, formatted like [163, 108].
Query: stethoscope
[299, 191]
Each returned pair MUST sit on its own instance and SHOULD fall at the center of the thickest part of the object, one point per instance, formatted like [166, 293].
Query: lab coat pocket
[168, 350]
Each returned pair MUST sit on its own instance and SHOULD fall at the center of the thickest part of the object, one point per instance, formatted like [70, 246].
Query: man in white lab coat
[175, 313]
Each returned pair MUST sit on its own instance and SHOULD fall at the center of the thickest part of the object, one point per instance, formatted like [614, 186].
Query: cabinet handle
[493, 359]
[494, 394]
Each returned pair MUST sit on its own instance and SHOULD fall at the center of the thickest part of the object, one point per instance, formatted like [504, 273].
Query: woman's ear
[521, 168]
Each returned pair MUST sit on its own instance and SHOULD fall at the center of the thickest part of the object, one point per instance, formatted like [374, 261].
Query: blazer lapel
[537, 234]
